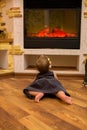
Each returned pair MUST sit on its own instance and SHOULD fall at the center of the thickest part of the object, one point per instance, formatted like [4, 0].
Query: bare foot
[64, 97]
[38, 97]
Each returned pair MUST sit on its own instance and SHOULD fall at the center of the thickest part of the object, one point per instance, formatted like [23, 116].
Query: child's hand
[55, 75]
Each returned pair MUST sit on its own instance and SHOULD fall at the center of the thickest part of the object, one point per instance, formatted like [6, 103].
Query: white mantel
[19, 61]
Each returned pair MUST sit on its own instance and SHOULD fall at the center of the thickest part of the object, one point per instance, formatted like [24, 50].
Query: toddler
[46, 83]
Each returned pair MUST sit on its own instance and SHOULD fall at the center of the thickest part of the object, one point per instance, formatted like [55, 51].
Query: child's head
[43, 64]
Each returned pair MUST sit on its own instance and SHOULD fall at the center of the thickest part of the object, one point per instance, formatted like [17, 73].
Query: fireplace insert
[52, 24]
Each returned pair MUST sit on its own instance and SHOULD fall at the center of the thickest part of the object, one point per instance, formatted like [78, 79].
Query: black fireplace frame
[53, 43]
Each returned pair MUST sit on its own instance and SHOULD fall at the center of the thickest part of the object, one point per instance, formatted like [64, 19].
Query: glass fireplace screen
[52, 27]
[52, 22]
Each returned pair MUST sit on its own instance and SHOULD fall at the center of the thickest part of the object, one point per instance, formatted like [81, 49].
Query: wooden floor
[20, 113]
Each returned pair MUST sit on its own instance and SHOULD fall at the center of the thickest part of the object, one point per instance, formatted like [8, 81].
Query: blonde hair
[43, 64]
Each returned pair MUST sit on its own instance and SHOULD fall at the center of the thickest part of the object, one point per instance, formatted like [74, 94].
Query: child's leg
[38, 95]
[64, 97]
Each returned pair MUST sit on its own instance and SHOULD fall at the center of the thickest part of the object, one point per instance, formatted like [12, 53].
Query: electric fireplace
[52, 24]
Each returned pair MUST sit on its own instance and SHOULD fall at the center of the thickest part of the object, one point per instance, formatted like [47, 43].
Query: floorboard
[17, 112]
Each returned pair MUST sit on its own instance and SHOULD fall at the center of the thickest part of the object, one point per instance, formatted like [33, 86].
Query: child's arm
[55, 75]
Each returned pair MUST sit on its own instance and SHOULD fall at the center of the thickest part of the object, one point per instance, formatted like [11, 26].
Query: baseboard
[32, 75]
[60, 76]
[7, 75]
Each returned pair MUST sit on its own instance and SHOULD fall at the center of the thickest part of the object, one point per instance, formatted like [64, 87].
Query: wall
[20, 60]
[9, 22]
